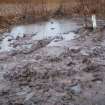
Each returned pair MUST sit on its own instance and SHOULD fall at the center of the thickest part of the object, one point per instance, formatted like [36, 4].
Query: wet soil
[67, 72]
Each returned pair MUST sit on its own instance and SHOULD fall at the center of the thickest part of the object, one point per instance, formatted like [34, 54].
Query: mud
[54, 71]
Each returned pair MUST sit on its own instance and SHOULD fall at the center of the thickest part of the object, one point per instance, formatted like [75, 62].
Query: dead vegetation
[26, 11]
[42, 7]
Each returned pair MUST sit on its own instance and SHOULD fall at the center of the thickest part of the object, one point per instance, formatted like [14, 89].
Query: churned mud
[53, 65]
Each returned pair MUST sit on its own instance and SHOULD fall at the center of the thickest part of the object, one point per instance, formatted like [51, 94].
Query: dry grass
[8, 7]
[15, 11]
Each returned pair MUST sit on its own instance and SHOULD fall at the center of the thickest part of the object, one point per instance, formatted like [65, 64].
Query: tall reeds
[33, 9]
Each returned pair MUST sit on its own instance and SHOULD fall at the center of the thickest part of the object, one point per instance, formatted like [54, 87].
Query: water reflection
[18, 31]
[46, 29]
[63, 27]
[5, 44]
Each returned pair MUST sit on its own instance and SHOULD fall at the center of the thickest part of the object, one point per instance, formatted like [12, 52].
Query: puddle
[5, 44]
[46, 29]
[63, 27]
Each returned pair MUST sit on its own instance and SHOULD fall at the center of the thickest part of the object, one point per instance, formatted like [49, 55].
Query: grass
[26, 11]
[68, 6]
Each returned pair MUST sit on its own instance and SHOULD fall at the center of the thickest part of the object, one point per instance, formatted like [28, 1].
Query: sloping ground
[69, 72]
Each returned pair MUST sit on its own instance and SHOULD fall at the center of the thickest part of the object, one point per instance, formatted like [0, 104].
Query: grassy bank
[72, 6]
[29, 11]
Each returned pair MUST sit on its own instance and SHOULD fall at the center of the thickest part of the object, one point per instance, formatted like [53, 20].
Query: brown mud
[71, 73]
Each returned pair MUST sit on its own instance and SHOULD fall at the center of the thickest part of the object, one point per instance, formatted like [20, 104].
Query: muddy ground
[63, 73]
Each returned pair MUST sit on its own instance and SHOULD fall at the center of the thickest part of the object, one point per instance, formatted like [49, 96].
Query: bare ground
[71, 73]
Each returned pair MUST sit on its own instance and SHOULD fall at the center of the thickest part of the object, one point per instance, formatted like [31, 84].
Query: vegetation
[22, 11]
[69, 6]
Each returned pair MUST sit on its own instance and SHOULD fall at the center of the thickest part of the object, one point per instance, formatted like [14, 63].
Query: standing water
[62, 27]
[46, 29]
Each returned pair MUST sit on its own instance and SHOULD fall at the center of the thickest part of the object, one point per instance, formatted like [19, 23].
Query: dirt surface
[64, 73]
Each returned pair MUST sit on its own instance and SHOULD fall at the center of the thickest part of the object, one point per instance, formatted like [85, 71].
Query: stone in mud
[98, 77]
[70, 63]
[86, 60]
[74, 89]
[84, 53]
[75, 49]
[92, 68]
[38, 57]
[53, 59]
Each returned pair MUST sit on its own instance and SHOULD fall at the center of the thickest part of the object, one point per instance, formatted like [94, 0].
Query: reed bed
[15, 11]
